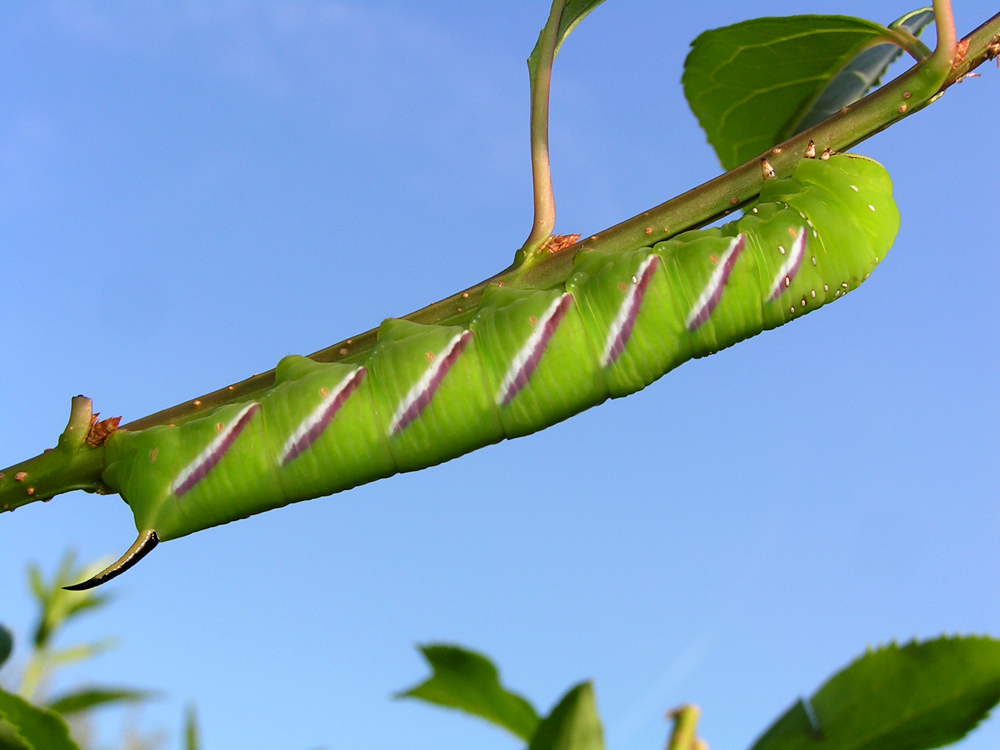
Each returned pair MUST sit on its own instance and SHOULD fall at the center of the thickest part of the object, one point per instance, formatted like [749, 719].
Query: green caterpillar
[527, 359]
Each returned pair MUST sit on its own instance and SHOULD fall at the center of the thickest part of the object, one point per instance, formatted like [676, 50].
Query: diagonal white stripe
[535, 340]
[208, 454]
[790, 266]
[714, 281]
[314, 417]
[424, 383]
[625, 311]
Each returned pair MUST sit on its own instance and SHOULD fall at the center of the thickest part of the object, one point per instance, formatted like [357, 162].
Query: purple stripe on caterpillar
[783, 279]
[621, 326]
[319, 419]
[420, 395]
[712, 293]
[205, 461]
[526, 360]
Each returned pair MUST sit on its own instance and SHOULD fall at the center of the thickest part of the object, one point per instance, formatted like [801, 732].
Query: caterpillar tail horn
[140, 548]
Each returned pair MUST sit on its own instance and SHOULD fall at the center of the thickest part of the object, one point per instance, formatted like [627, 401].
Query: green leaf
[573, 12]
[36, 727]
[572, 725]
[9, 740]
[58, 605]
[85, 604]
[87, 698]
[912, 697]
[863, 72]
[750, 84]
[37, 584]
[6, 644]
[80, 652]
[469, 682]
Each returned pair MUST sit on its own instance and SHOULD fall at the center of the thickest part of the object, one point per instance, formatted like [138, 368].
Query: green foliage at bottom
[915, 697]
[36, 728]
[191, 737]
[32, 719]
[573, 723]
[6, 644]
[468, 681]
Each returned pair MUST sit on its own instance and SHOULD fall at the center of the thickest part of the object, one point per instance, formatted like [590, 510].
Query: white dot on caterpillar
[781, 249]
[844, 284]
[803, 301]
[815, 234]
[793, 308]
[788, 281]
[814, 260]
[813, 293]
[802, 214]
[826, 287]
[836, 294]
[635, 280]
[755, 209]
[854, 188]
[866, 276]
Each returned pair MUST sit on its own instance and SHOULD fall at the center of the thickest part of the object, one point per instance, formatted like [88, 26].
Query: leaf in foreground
[36, 727]
[750, 84]
[468, 681]
[8, 738]
[88, 698]
[58, 605]
[913, 697]
[6, 644]
[573, 723]
[863, 72]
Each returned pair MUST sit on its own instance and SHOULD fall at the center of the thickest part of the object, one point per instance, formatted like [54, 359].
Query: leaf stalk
[541, 170]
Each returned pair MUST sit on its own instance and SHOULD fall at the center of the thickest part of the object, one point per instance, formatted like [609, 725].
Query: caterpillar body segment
[527, 359]
[537, 357]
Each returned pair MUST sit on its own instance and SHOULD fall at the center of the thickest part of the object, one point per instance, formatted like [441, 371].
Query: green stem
[691, 209]
[944, 21]
[909, 44]
[67, 467]
[901, 97]
[31, 677]
[684, 735]
[541, 172]
[71, 465]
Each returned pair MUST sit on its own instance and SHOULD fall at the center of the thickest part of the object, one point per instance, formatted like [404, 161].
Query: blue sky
[190, 191]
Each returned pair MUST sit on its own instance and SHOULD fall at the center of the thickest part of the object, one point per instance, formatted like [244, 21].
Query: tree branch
[66, 468]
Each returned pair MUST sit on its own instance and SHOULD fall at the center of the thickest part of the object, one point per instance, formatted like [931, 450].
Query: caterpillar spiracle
[526, 360]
